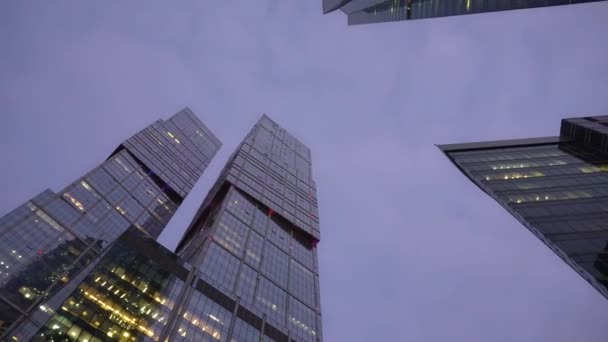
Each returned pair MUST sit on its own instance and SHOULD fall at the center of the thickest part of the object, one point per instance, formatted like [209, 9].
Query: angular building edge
[131, 189]
[588, 134]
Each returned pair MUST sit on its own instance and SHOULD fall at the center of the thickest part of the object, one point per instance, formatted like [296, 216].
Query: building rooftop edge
[498, 143]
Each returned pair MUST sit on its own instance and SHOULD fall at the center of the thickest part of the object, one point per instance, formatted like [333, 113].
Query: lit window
[74, 201]
[122, 164]
[86, 185]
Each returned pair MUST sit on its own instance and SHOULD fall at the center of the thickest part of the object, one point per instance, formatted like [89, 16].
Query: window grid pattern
[243, 332]
[120, 166]
[253, 253]
[565, 203]
[275, 264]
[282, 168]
[260, 222]
[231, 233]
[31, 240]
[126, 297]
[301, 320]
[271, 300]
[220, 266]
[278, 236]
[205, 320]
[240, 207]
[271, 193]
[302, 283]
[51, 233]
[246, 284]
[301, 253]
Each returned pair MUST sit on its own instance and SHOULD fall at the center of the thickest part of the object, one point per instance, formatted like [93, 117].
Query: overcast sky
[410, 249]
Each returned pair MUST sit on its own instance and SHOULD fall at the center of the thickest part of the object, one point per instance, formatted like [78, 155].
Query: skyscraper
[247, 272]
[557, 187]
[48, 241]
[254, 238]
[377, 11]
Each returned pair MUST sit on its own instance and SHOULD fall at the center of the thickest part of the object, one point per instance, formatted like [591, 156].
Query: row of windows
[302, 320]
[160, 164]
[231, 233]
[37, 242]
[243, 332]
[186, 150]
[509, 153]
[564, 209]
[549, 182]
[240, 207]
[140, 192]
[118, 301]
[301, 283]
[271, 300]
[243, 209]
[521, 164]
[277, 235]
[253, 253]
[287, 209]
[176, 157]
[573, 226]
[553, 195]
[572, 170]
[275, 265]
[582, 246]
[247, 283]
[274, 133]
[198, 133]
[556, 189]
[205, 320]
[220, 267]
[271, 164]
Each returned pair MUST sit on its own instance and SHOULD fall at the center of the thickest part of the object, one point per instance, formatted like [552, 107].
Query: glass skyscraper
[246, 270]
[557, 187]
[377, 11]
[48, 242]
[254, 238]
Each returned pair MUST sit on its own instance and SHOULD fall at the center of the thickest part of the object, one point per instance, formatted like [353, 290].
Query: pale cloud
[410, 249]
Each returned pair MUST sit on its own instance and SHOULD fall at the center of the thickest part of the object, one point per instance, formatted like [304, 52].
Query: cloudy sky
[410, 249]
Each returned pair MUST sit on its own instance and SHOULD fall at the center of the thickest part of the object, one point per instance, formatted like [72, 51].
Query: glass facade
[48, 241]
[377, 11]
[246, 272]
[127, 297]
[558, 188]
[254, 238]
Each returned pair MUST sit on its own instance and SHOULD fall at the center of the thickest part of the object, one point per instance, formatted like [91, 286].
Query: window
[231, 233]
[275, 264]
[220, 267]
